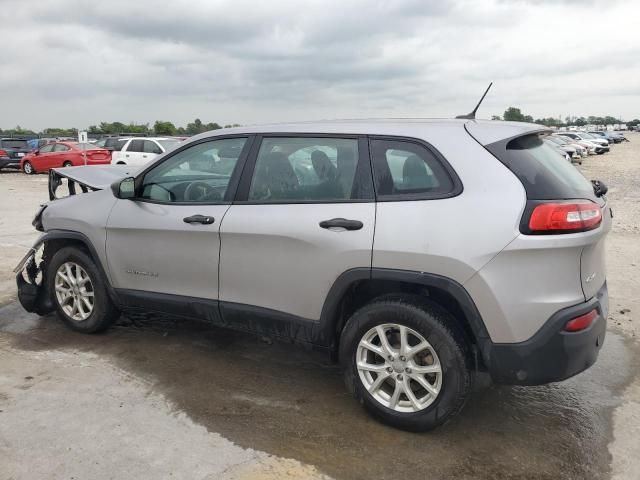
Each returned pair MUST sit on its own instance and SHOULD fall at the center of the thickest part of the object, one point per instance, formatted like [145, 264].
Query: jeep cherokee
[418, 252]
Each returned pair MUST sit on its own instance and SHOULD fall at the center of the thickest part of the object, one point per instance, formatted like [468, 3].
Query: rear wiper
[599, 188]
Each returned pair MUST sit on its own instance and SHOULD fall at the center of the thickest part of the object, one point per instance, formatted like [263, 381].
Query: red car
[64, 154]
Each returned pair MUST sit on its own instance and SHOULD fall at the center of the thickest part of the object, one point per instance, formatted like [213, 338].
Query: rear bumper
[6, 162]
[552, 354]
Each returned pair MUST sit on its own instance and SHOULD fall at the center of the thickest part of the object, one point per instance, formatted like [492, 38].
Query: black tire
[104, 312]
[28, 168]
[67, 163]
[436, 326]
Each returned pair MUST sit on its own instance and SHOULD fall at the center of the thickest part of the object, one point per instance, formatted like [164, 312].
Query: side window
[197, 174]
[47, 148]
[136, 146]
[305, 169]
[61, 148]
[151, 147]
[404, 169]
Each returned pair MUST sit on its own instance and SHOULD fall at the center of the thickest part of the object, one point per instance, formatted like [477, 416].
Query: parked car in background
[606, 135]
[588, 146]
[138, 151]
[11, 152]
[567, 151]
[561, 152]
[113, 144]
[580, 151]
[603, 143]
[64, 154]
[619, 135]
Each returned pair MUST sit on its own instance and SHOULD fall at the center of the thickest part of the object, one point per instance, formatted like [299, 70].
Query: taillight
[3, 153]
[582, 322]
[565, 217]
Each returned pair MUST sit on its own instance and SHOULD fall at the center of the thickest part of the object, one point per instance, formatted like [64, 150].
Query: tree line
[514, 114]
[160, 127]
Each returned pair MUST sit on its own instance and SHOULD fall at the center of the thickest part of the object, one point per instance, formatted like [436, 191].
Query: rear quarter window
[544, 173]
[409, 170]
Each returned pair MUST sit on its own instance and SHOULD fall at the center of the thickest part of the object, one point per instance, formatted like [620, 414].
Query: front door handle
[203, 219]
[341, 223]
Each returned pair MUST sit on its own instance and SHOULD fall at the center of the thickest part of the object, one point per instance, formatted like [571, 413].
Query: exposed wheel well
[363, 292]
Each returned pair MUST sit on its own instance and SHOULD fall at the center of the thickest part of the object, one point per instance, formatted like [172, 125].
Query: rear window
[545, 174]
[22, 144]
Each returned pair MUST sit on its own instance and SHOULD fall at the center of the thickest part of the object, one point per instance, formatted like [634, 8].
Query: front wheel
[406, 363]
[28, 168]
[79, 292]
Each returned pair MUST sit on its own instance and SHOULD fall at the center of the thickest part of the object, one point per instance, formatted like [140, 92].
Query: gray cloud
[74, 63]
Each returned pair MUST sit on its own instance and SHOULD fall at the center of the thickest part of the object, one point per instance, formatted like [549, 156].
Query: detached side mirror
[599, 188]
[125, 188]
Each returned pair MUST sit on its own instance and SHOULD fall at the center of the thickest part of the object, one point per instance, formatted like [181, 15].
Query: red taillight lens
[582, 322]
[565, 217]
[3, 153]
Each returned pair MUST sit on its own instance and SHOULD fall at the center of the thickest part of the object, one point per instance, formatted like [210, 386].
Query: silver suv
[417, 252]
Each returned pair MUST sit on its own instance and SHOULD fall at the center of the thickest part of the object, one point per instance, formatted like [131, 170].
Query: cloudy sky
[73, 63]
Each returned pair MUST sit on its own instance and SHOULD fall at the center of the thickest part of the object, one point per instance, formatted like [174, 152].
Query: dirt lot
[156, 398]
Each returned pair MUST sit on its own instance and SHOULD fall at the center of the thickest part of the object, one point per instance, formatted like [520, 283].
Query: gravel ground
[169, 399]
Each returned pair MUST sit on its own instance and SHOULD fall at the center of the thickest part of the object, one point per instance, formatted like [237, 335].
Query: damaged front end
[31, 280]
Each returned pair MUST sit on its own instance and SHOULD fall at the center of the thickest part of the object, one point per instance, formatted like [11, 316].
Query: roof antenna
[472, 115]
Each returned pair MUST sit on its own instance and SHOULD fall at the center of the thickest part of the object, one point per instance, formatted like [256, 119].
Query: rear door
[62, 153]
[133, 153]
[304, 214]
[46, 158]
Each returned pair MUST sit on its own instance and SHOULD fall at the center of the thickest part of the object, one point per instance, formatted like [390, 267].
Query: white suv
[139, 151]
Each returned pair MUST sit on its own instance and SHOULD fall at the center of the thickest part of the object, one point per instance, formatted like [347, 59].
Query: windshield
[168, 144]
[14, 144]
[586, 135]
[86, 146]
[556, 140]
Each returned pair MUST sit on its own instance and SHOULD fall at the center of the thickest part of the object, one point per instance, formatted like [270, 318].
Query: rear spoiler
[55, 180]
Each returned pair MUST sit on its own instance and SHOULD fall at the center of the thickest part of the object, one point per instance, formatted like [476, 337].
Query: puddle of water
[292, 403]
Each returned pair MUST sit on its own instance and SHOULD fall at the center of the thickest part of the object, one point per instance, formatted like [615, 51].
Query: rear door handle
[341, 223]
[203, 219]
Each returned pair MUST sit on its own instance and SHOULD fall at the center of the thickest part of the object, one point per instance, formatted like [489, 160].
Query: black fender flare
[330, 315]
[82, 238]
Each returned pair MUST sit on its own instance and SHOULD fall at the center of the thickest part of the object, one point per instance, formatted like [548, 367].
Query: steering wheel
[199, 191]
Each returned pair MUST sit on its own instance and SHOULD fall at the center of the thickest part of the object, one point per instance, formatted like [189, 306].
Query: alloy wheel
[74, 291]
[399, 368]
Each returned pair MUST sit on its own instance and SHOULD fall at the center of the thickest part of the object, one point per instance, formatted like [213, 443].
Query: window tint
[151, 147]
[544, 174]
[199, 174]
[47, 148]
[61, 148]
[136, 146]
[408, 169]
[305, 169]
[22, 144]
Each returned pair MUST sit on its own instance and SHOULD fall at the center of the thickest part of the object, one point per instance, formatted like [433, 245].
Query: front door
[167, 241]
[304, 214]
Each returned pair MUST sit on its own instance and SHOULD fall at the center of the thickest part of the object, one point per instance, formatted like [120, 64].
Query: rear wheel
[79, 292]
[28, 168]
[67, 163]
[405, 363]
